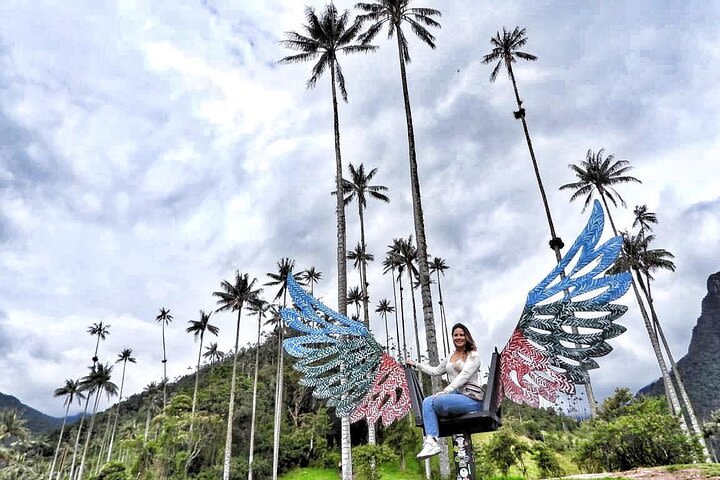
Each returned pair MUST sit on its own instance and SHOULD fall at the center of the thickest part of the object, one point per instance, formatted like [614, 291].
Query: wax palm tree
[438, 267]
[390, 264]
[408, 254]
[599, 175]
[198, 329]
[393, 263]
[151, 394]
[505, 50]
[164, 318]
[232, 297]
[82, 386]
[355, 297]
[213, 354]
[260, 308]
[644, 218]
[311, 277]
[71, 391]
[100, 331]
[636, 256]
[98, 382]
[358, 188]
[285, 269]
[384, 308]
[325, 37]
[360, 258]
[395, 14]
[125, 356]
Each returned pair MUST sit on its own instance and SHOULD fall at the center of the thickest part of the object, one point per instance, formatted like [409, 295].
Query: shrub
[368, 458]
[641, 434]
[547, 461]
[506, 450]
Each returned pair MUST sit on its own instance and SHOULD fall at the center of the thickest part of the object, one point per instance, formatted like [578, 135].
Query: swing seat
[486, 420]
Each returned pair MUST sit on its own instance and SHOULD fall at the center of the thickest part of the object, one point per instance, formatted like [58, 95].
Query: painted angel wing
[543, 356]
[344, 364]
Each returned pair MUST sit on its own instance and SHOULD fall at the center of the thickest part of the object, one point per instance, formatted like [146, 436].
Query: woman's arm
[433, 371]
[472, 365]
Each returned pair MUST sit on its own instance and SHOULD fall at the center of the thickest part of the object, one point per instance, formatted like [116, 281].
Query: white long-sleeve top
[460, 373]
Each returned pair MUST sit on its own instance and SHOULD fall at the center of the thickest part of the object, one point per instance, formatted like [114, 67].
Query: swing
[486, 420]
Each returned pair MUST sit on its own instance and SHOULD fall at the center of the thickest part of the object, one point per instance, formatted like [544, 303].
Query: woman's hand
[410, 363]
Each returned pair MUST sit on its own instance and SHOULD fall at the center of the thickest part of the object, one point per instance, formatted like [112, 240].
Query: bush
[547, 461]
[112, 471]
[506, 450]
[640, 434]
[367, 460]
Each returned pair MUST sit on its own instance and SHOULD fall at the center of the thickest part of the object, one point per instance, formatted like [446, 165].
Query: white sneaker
[430, 448]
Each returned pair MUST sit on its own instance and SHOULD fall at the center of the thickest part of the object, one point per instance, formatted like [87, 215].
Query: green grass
[310, 474]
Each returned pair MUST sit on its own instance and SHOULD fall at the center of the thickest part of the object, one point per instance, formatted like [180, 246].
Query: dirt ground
[689, 473]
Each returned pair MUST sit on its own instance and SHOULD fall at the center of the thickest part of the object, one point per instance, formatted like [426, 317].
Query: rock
[700, 368]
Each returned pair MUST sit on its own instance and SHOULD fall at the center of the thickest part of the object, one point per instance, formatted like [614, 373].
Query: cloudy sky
[150, 149]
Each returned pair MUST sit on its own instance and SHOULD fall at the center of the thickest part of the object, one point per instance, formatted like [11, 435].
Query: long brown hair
[469, 342]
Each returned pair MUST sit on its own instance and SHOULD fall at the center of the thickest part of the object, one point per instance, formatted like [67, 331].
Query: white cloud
[153, 149]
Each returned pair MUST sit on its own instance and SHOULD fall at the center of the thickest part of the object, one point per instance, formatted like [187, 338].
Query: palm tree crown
[394, 13]
[635, 255]
[359, 256]
[601, 174]
[99, 330]
[125, 356]
[285, 267]
[644, 218]
[324, 38]
[311, 276]
[71, 391]
[164, 316]
[359, 186]
[234, 295]
[199, 327]
[438, 265]
[505, 50]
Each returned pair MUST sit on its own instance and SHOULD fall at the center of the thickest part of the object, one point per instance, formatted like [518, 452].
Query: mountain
[37, 421]
[700, 368]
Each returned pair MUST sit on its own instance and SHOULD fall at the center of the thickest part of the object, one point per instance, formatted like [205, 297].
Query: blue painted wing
[544, 356]
[337, 356]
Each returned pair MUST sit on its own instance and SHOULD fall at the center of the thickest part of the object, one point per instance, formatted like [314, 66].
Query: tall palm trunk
[555, 242]
[89, 435]
[197, 380]
[231, 404]
[670, 393]
[77, 438]
[419, 223]
[147, 425]
[104, 443]
[57, 449]
[397, 328]
[402, 317]
[443, 319]
[164, 362]
[415, 323]
[694, 424]
[387, 334]
[345, 453]
[363, 268]
[279, 393]
[117, 414]
[254, 404]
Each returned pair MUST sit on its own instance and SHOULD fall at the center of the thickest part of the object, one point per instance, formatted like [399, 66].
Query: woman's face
[459, 338]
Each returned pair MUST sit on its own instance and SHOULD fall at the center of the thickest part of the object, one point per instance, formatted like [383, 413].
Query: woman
[462, 395]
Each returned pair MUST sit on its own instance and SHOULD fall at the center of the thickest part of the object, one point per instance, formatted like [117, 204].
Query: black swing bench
[463, 426]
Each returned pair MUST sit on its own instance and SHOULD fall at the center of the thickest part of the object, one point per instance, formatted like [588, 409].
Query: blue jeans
[447, 405]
